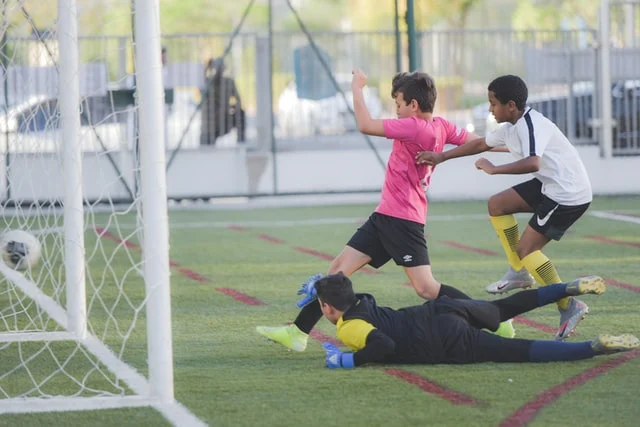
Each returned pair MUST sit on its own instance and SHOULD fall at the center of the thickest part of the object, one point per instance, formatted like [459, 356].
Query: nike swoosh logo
[500, 287]
[543, 221]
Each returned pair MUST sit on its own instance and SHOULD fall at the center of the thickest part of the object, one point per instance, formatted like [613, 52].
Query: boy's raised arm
[366, 124]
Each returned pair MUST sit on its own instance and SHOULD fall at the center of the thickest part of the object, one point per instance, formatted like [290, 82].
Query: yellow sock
[506, 227]
[542, 269]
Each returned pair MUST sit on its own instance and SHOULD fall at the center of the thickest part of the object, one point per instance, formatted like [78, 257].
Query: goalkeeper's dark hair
[510, 88]
[417, 85]
[336, 290]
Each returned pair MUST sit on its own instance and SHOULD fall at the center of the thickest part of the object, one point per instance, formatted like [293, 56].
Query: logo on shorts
[407, 259]
[543, 221]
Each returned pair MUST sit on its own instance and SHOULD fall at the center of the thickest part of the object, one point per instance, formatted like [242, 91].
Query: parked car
[106, 123]
[304, 117]
[34, 125]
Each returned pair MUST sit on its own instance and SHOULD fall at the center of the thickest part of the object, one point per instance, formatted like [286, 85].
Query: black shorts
[384, 237]
[550, 218]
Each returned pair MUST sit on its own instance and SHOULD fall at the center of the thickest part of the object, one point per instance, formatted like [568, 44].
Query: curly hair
[510, 88]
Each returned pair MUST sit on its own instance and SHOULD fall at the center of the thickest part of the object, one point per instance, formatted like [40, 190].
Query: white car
[305, 117]
[34, 126]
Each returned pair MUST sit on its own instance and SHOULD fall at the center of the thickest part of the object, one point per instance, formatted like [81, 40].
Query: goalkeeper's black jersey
[382, 334]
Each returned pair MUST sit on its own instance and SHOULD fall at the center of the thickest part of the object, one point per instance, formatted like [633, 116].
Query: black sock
[451, 292]
[308, 317]
[516, 304]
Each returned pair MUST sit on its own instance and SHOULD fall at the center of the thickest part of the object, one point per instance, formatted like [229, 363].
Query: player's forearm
[378, 347]
[363, 118]
[468, 149]
[523, 166]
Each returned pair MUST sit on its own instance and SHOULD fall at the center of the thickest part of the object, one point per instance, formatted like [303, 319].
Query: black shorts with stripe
[550, 218]
[384, 237]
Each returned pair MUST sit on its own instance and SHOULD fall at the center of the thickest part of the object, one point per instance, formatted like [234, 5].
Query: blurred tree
[452, 12]
[315, 14]
[429, 13]
[555, 15]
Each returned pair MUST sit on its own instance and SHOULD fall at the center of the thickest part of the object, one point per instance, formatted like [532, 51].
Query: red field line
[603, 239]
[436, 389]
[237, 228]
[314, 253]
[327, 257]
[182, 270]
[240, 297]
[307, 251]
[196, 277]
[627, 286]
[103, 232]
[468, 248]
[270, 239]
[321, 337]
[529, 410]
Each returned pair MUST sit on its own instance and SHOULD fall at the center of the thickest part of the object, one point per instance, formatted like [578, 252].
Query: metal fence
[561, 68]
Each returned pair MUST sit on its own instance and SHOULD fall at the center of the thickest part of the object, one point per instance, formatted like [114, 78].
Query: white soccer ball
[20, 249]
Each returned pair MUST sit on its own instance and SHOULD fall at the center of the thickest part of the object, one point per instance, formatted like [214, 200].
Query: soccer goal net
[88, 325]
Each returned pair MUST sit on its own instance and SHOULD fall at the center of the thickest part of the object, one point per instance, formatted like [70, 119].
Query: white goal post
[63, 345]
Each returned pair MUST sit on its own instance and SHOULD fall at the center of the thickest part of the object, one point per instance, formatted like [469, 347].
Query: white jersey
[562, 173]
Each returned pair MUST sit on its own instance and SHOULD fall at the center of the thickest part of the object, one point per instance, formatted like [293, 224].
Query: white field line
[335, 221]
[276, 223]
[301, 222]
[615, 216]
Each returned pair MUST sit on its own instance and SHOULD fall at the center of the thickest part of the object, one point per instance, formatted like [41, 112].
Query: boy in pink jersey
[396, 229]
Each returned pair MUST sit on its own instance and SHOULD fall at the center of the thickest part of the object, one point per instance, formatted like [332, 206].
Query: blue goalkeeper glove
[336, 358]
[308, 289]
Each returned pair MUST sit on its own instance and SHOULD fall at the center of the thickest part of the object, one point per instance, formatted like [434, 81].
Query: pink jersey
[405, 183]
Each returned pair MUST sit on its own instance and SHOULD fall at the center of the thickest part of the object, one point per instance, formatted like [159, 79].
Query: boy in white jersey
[559, 194]
[396, 229]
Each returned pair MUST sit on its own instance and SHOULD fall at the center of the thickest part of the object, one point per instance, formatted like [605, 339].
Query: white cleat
[512, 280]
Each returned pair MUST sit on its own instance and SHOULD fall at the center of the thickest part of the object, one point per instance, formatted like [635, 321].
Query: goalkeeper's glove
[336, 358]
[308, 289]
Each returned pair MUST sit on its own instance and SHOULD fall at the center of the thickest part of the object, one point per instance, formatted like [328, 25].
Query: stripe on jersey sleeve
[532, 138]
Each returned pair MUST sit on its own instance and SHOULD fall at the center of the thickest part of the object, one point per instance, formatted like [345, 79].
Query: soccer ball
[20, 249]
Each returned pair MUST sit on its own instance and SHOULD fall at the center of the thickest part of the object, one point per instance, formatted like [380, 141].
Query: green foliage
[552, 15]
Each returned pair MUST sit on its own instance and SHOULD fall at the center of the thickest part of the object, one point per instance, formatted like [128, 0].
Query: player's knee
[427, 290]
[341, 267]
[522, 252]
[494, 206]
[526, 248]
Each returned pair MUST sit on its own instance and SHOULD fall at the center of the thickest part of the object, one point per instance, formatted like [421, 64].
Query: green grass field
[227, 375]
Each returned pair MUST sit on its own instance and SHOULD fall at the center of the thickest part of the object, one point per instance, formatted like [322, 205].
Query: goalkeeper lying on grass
[449, 330]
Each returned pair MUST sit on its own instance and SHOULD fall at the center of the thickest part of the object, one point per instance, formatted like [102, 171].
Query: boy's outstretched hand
[429, 157]
[359, 79]
[336, 358]
[485, 165]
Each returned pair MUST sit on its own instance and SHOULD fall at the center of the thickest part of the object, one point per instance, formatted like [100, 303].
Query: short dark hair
[417, 85]
[510, 88]
[336, 290]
